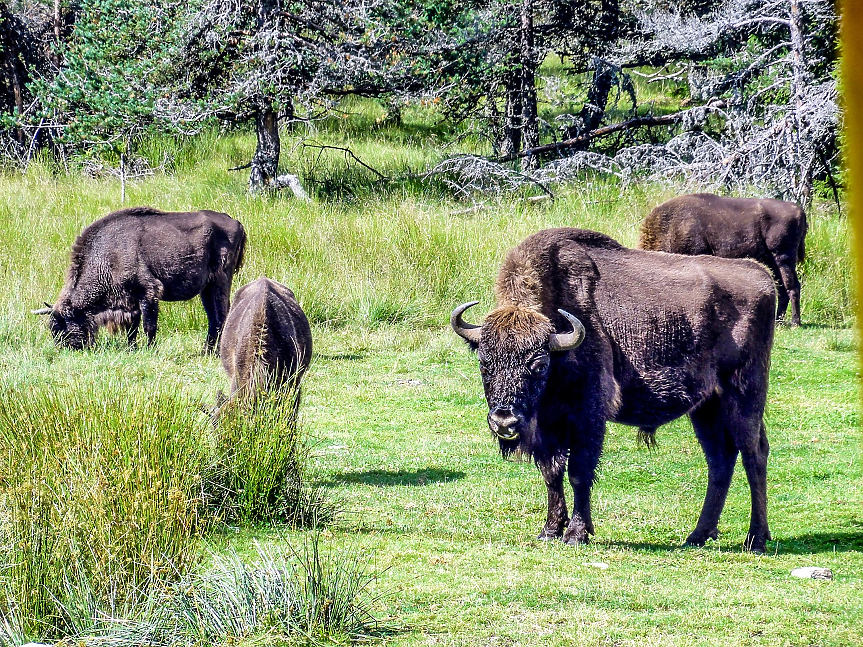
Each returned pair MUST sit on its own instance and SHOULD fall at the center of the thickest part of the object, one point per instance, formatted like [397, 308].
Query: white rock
[600, 565]
[813, 573]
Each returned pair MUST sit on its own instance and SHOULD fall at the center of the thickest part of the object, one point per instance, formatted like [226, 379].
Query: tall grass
[102, 484]
[108, 486]
[283, 593]
[263, 458]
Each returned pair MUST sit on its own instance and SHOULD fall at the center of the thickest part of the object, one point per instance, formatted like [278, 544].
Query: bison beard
[663, 336]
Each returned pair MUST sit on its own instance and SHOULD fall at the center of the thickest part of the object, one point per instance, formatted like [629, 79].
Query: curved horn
[470, 332]
[43, 311]
[567, 341]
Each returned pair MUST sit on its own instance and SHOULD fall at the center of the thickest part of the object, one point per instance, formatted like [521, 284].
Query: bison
[124, 264]
[267, 341]
[586, 331]
[770, 231]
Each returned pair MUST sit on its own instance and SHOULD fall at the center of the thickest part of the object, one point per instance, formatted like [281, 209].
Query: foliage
[116, 64]
[308, 592]
[772, 63]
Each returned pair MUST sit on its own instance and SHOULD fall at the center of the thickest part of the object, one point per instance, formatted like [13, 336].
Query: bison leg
[790, 289]
[552, 473]
[216, 300]
[721, 455]
[582, 468]
[132, 331]
[150, 318]
[754, 453]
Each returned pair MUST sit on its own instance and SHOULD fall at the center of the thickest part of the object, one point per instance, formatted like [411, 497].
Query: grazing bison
[267, 341]
[770, 231]
[124, 264]
[646, 338]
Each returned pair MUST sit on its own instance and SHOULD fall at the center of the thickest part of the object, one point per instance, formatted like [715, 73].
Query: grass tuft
[262, 468]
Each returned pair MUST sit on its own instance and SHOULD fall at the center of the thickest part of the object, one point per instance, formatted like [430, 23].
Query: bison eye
[539, 366]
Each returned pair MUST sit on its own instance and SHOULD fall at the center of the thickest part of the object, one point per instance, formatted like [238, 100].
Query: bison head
[70, 329]
[515, 346]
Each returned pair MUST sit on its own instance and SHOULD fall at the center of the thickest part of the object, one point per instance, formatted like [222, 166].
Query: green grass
[394, 405]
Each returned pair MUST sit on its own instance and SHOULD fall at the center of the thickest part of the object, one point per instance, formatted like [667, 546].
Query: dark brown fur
[124, 264]
[666, 336]
[267, 341]
[770, 231]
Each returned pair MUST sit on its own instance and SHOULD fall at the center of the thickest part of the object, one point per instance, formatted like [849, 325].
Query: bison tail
[804, 227]
[241, 254]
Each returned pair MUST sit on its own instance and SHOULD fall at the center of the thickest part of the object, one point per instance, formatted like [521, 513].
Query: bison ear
[469, 332]
[567, 341]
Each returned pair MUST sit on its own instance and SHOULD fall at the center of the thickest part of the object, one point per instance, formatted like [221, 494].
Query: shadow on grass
[388, 478]
[828, 542]
[822, 542]
[342, 356]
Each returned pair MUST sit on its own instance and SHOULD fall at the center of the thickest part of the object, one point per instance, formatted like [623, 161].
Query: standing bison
[124, 264]
[770, 231]
[643, 338]
[267, 341]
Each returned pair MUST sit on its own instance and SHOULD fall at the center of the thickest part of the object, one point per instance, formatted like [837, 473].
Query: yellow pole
[852, 85]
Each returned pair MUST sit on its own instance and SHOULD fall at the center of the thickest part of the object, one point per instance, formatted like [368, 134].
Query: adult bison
[770, 231]
[124, 264]
[648, 338]
[267, 341]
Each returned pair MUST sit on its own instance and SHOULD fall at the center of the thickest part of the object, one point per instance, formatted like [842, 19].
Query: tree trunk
[13, 70]
[510, 143]
[593, 110]
[265, 163]
[529, 124]
[520, 128]
[802, 150]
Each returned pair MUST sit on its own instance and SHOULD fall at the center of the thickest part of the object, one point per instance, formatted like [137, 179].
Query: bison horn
[470, 332]
[44, 311]
[570, 340]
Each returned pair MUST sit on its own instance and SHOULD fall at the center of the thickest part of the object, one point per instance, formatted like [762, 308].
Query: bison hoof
[575, 535]
[755, 543]
[699, 537]
[549, 535]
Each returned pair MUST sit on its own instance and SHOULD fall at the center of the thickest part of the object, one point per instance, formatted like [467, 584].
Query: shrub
[102, 498]
[261, 474]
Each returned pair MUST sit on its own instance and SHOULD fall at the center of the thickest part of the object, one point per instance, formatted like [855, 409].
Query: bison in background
[124, 264]
[266, 342]
[647, 338]
[770, 231]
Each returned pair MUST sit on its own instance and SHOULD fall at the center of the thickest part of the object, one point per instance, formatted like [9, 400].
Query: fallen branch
[637, 122]
[348, 151]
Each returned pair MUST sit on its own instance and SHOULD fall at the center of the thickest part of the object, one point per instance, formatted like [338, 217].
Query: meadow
[394, 415]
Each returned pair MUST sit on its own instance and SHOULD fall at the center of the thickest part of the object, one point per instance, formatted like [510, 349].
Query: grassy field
[394, 407]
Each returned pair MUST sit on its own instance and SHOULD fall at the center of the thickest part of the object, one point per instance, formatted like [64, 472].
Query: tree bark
[13, 70]
[510, 143]
[593, 110]
[265, 162]
[529, 122]
[520, 128]
[801, 180]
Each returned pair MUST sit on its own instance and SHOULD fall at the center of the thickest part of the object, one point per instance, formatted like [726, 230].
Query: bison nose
[503, 423]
